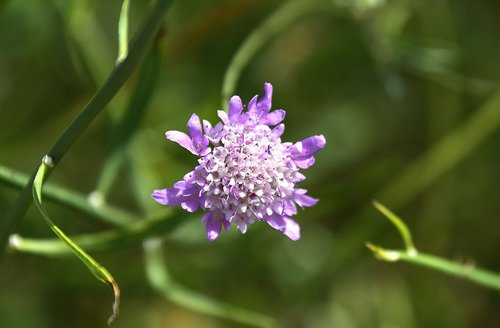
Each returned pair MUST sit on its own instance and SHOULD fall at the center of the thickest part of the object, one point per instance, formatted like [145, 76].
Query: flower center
[248, 175]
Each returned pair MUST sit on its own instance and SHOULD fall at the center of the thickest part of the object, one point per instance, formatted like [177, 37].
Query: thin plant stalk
[466, 271]
[272, 26]
[161, 281]
[118, 77]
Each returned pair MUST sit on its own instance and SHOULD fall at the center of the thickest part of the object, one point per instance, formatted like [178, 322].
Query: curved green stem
[400, 225]
[103, 241]
[442, 157]
[274, 24]
[170, 290]
[118, 77]
[97, 270]
[466, 271]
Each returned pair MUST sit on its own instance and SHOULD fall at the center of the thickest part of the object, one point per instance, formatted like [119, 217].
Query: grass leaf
[94, 267]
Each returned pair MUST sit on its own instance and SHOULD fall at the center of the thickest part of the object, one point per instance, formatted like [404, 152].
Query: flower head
[245, 173]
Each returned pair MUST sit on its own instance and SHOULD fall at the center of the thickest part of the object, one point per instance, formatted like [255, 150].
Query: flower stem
[118, 77]
[400, 225]
[466, 271]
[170, 290]
[126, 126]
[104, 241]
[274, 24]
[104, 212]
[411, 255]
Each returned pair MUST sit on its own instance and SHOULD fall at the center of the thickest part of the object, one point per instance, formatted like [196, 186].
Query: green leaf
[123, 32]
[95, 268]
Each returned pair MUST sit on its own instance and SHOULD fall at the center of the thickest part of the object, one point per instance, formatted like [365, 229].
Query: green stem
[400, 225]
[274, 24]
[110, 214]
[466, 271]
[97, 270]
[118, 77]
[128, 124]
[427, 169]
[103, 241]
[469, 272]
[123, 32]
[162, 282]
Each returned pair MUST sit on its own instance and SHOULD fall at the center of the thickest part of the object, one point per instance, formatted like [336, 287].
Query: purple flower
[248, 174]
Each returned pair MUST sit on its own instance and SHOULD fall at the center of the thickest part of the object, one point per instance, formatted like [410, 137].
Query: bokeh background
[385, 81]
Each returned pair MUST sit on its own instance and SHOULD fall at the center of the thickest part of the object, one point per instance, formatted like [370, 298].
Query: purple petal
[235, 108]
[161, 197]
[201, 147]
[305, 163]
[218, 128]
[252, 108]
[191, 197]
[182, 139]
[223, 116]
[213, 225]
[168, 196]
[185, 194]
[292, 229]
[264, 104]
[227, 224]
[276, 221]
[199, 175]
[188, 177]
[303, 151]
[207, 127]
[284, 224]
[308, 146]
[277, 206]
[206, 217]
[298, 177]
[304, 200]
[191, 204]
[278, 130]
[194, 127]
[199, 141]
[242, 226]
[274, 117]
[213, 133]
[290, 208]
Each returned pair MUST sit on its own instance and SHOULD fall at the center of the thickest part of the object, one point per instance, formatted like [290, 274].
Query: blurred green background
[385, 81]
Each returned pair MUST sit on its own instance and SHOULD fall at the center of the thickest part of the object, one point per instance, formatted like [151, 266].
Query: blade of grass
[137, 106]
[123, 32]
[94, 267]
